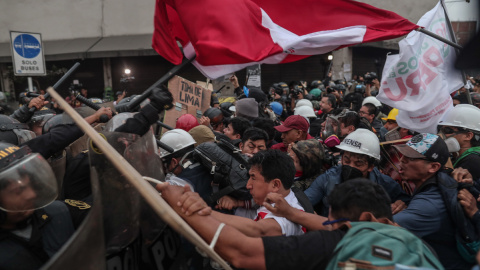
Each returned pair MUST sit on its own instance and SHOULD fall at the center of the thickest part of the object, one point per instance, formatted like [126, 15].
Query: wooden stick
[396, 141]
[150, 195]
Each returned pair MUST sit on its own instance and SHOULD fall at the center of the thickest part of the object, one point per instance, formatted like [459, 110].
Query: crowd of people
[277, 179]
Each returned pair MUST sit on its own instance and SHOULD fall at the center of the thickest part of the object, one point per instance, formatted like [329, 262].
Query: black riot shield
[86, 248]
[121, 201]
[159, 243]
[58, 162]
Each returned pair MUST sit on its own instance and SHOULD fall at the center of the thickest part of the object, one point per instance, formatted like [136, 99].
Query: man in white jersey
[271, 171]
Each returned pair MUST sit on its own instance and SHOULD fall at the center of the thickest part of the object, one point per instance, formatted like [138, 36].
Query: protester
[247, 108]
[295, 128]
[271, 171]
[186, 122]
[308, 158]
[370, 111]
[462, 130]
[427, 214]
[213, 118]
[253, 141]
[202, 134]
[360, 151]
[235, 127]
[391, 131]
[354, 200]
[181, 164]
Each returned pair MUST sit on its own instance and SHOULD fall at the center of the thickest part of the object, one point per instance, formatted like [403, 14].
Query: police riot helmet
[27, 181]
[280, 88]
[14, 132]
[56, 120]
[39, 119]
[315, 84]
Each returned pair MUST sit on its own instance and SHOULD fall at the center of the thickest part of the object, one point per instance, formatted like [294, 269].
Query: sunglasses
[449, 130]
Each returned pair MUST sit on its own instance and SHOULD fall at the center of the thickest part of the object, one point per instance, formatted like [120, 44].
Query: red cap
[186, 122]
[293, 122]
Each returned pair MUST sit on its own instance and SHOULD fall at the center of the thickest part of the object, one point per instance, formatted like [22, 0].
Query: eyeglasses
[363, 113]
[328, 222]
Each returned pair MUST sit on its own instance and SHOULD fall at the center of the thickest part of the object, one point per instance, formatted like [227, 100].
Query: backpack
[374, 245]
[228, 167]
[465, 233]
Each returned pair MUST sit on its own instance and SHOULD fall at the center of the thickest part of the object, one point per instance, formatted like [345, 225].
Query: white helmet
[305, 111]
[178, 139]
[362, 141]
[464, 116]
[303, 102]
[372, 100]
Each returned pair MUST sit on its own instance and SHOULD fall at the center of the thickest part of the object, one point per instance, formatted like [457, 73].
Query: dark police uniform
[51, 227]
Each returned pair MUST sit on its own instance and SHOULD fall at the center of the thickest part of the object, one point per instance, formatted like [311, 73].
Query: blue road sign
[27, 46]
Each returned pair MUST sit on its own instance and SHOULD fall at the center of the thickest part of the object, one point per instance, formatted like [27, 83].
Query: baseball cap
[427, 146]
[294, 122]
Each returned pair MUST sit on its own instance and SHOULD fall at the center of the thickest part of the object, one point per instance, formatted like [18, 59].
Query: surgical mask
[452, 145]
[349, 172]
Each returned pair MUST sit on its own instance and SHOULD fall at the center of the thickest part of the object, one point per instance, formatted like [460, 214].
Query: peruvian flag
[229, 35]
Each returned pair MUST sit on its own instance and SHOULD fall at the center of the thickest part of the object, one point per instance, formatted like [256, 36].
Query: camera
[296, 91]
[75, 86]
[369, 77]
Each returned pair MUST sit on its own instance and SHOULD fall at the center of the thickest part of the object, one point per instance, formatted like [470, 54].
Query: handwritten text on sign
[190, 94]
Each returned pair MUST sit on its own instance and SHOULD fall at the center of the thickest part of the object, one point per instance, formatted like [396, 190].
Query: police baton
[59, 82]
[151, 196]
[130, 106]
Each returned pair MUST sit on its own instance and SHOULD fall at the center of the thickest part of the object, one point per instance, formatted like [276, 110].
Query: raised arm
[235, 247]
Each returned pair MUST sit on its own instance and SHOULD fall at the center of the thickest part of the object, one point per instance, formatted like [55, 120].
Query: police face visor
[27, 184]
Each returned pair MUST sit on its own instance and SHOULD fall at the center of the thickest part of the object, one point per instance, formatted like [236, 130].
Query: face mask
[349, 172]
[329, 128]
[452, 145]
[332, 141]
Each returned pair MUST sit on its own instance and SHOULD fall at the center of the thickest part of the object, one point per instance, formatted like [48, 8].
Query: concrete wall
[67, 19]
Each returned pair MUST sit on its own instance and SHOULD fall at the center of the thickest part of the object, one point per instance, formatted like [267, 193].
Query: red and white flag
[418, 81]
[229, 35]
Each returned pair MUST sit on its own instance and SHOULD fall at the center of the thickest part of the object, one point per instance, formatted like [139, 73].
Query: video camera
[296, 91]
[369, 77]
[75, 87]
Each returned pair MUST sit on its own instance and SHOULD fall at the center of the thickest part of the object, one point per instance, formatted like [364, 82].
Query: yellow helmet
[392, 115]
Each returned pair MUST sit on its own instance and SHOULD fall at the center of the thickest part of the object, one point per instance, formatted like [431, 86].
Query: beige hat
[202, 134]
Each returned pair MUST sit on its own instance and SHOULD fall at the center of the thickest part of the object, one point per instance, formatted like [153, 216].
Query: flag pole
[426, 32]
[454, 39]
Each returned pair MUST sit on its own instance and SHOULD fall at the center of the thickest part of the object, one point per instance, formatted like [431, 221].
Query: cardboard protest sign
[188, 97]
